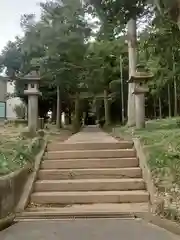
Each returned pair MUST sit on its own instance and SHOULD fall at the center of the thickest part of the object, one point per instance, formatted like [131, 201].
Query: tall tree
[102, 70]
[57, 43]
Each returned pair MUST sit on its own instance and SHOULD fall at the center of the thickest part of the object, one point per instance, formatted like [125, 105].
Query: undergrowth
[161, 140]
[16, 153]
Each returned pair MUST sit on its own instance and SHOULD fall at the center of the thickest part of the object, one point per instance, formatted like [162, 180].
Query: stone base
[27, 133]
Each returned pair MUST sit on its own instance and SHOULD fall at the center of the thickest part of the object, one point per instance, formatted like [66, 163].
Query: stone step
[90, 163]
[89, 185]
[89, 146]
[96, 173]
[84, 154]
[137, 196]
[85, 211]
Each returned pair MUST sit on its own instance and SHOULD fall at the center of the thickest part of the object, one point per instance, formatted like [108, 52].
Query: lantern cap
[32, 76]
[141, 75]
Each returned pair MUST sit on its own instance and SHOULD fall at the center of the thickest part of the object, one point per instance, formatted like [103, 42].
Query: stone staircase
[88, 177]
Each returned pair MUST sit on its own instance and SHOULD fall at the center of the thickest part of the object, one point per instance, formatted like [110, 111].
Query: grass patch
[16, 151]
[161, 139]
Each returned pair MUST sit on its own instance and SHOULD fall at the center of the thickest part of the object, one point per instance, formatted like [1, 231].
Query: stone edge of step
[102, 180]
[81, 193]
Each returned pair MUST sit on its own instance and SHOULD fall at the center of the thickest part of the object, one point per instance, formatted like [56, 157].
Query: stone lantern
[140, 78]
[33, 93]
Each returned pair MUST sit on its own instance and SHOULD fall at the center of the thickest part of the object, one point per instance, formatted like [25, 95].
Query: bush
[28, 153]
[20, 110]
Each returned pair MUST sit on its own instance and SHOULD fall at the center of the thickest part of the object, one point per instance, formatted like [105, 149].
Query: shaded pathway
[91, 134]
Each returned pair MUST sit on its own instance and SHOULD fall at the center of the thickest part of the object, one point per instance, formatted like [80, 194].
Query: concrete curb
[28, 188]
[6, 222]
[142, 156]
[75, 215]
[161, 222]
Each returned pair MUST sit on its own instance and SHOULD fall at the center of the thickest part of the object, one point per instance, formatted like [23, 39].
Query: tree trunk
[160, 108]
[122, 90]
[69, 116]
[106, 108]
[175, 98]
[76, 118]
[177, 10]
[175, 84]
[132, 50]
[97, 111]
[54, 109]
[77, 107]
[169, 101]
[154, 106]
[58, 116]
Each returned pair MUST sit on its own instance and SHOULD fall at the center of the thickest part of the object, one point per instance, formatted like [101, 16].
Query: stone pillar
[33, 112]
[140, 110]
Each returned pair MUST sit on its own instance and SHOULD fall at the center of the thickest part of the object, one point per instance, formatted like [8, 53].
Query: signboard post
[2, 110]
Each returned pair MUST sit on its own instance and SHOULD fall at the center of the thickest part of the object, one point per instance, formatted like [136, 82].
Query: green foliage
[20, 111]
[161, 140]
[102, 64]
[114, 15]
[166, 7]
[16, 152]
[57, 44]
[11, 57]
[64, 55]
[160, 59]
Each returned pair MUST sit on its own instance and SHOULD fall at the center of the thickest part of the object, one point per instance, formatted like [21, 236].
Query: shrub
[20, 110]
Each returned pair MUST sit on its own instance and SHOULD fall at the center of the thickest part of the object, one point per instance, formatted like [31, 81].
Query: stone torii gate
[84, 94]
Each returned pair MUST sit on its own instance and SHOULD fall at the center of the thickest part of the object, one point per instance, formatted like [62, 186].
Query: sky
[10, 14]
